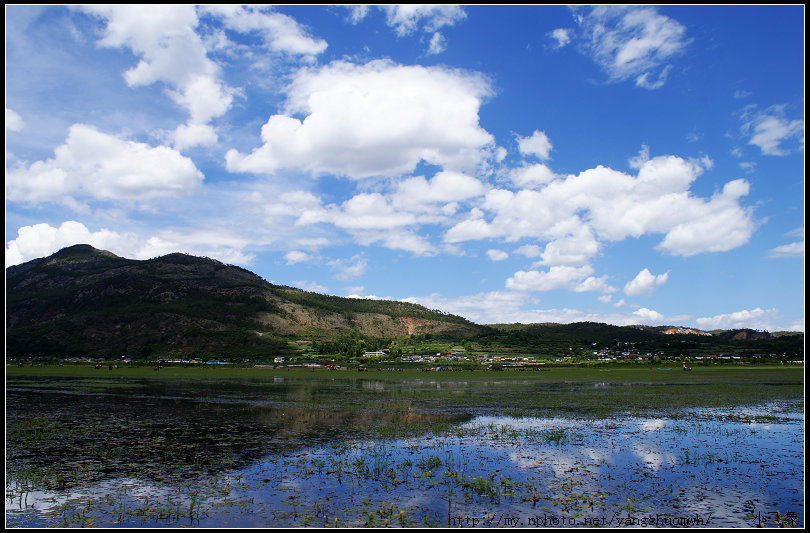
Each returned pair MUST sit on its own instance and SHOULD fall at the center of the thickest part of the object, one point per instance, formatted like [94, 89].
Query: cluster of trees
[586, 337]
[353, 345]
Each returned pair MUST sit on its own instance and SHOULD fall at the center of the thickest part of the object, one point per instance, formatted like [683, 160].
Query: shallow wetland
[716, 447]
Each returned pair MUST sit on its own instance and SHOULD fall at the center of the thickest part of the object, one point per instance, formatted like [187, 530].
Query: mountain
[84, 301]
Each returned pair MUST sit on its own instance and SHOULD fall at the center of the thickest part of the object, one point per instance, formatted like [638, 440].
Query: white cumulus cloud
[794, 249]
[757, 318]
[538, 145]
[576, 248]
[720, 224]
[170, 50]
[613, 206]
[347, 269]
[497, 255]
[532, 176]
[577, 279]
[506, 307]
[561, 36]
[376, 119]
[644, 283]
[437, 44]
[420, 194]
[648, 316]
[296, 256]
[406, 18]
[43, 239]
[98, 165]
[279, 32]
[163, 37]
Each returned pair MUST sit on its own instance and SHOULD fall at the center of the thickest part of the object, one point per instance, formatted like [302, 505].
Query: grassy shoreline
[643, 373]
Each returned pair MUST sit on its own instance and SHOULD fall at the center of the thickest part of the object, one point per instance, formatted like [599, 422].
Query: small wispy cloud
[497, 255]
[348, 269]
[772, 131]
[794, 249]
[296, 256]
[562, 36]
[632, 42]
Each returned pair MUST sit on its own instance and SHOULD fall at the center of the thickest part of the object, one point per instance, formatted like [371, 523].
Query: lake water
[269, 453]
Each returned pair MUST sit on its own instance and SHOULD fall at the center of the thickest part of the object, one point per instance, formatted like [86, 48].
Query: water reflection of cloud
[563, 463]
[600, 456]
[652, 424]
[522, 424]
[652, 459]
[126, 489]
[620, 427]
[629, 443]
[614, 459]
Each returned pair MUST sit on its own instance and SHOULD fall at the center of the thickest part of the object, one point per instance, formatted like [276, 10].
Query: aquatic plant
[380, 465]
[360, 467]
[406, 466]
[483, 487]
[555, 436]
[429, 463]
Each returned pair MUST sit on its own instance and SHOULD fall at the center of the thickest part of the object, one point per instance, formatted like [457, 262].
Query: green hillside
[84, 302]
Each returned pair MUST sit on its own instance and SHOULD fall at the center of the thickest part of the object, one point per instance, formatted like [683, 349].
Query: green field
[586, 391]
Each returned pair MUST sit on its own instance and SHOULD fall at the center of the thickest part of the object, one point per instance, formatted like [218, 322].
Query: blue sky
[637, 165]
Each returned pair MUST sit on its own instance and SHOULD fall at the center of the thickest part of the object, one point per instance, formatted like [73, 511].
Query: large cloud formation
[613, 206]
[93, 164]
[41, 240]
[376, 119]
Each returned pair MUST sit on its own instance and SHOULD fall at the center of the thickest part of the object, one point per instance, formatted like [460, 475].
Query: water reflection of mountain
[69, 438]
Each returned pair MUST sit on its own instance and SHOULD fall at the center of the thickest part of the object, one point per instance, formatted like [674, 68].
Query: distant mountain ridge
[81, 300]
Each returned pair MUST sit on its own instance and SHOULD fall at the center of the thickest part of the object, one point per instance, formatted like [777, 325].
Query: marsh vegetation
[253, 448]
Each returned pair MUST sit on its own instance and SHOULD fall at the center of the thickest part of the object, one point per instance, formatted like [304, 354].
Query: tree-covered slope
[84, 301]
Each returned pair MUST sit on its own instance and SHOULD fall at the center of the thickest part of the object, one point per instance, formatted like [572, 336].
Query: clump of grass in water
[695, 457]
[484, 487]
[509, 432]
[406, 466]
[455, 463]
[19, 483]
[380, 466]
[318, 464]
[360, 467]
[555, 436]
[429, 463]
